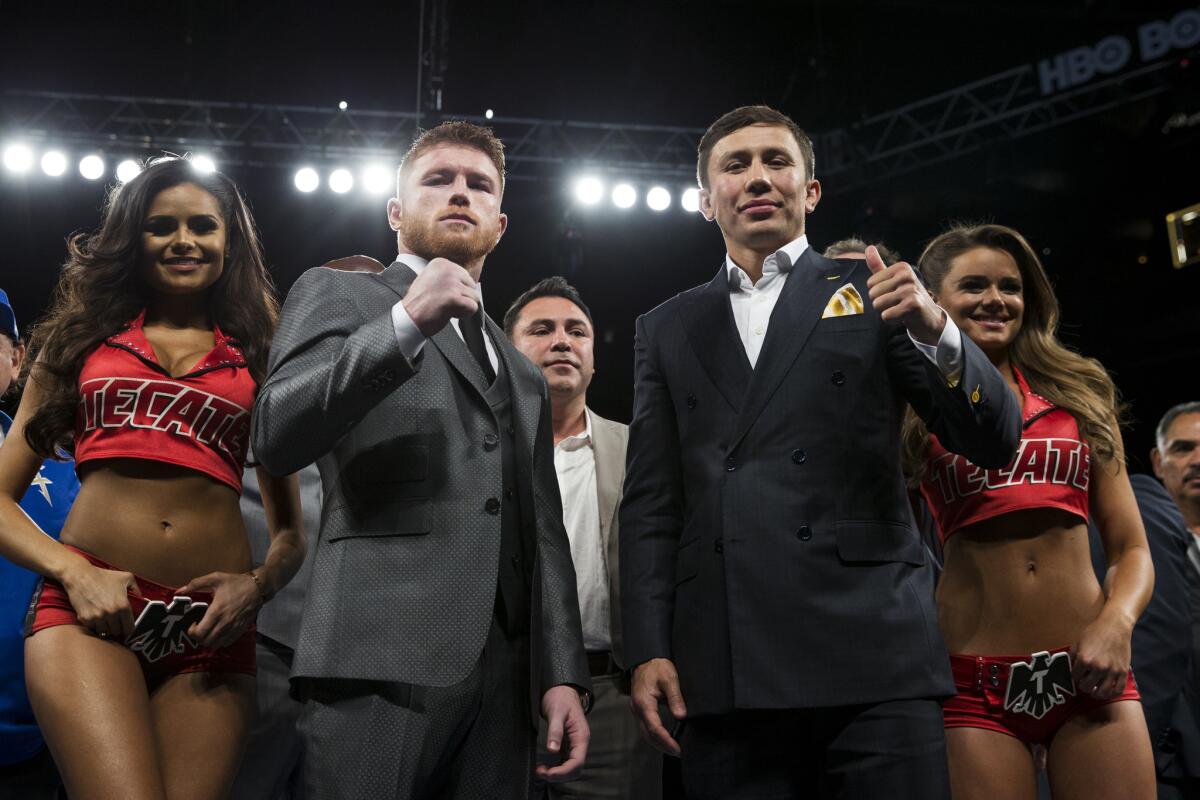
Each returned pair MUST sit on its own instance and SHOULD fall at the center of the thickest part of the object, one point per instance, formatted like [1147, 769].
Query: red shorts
[159, 638]
[1032, 706]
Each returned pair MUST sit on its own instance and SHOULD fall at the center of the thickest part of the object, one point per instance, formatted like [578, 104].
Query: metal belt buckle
[161, 630]
[1036, 686]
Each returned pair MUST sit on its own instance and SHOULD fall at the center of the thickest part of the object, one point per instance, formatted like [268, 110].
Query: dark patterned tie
[472, 332]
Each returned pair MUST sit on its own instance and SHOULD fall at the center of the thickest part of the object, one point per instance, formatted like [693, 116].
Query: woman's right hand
[100, 598]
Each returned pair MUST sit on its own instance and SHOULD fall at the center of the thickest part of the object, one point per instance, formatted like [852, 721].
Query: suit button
[492, 506]
[490, 441]
[691, 401]
[804, 533]
[516, 562]
[838, 377]
[799, 456]
[510, 431]
[730, 465]
[508, 493]
[719, 545]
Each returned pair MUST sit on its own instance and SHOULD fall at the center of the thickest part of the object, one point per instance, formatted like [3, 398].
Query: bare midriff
[162, 522]
[1017, 584]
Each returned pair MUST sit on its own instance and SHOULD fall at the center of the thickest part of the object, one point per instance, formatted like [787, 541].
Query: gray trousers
[621, 765]
[272, 759]
[474, 740]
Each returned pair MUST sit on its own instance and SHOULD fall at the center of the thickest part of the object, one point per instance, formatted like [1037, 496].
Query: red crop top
[1050, 469]
[130, 407]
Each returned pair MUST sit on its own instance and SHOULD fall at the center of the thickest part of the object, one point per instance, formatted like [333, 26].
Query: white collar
[418, 264]
[781, 261]
[581, 439]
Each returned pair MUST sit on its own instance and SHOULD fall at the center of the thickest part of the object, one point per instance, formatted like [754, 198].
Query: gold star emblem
[41, 482]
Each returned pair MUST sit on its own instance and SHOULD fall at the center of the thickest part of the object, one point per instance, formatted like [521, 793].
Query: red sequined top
[130, 407]
[1050, 470]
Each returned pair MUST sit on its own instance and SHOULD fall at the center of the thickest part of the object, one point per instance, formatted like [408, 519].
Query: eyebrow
[550, 322]
[470, 173]
[770, 152]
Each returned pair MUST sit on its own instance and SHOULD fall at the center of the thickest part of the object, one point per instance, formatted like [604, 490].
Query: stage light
[343, 105]
[54, 163]
[658, 198]
[690, 200]
[91, 167]
[204, 165]
[624, 195]
[127, 170]
[589, 190]
[18, 158]
[489, 114]
[307, 179]
[377, 179]
[341, 181]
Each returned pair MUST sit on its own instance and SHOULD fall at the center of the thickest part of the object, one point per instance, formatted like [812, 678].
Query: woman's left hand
[235, 604]
[1100, 661]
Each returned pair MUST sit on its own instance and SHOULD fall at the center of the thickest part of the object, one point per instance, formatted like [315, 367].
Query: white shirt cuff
[946, 355]
[408, 335]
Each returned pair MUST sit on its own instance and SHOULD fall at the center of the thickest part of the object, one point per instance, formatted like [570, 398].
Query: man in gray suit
[553, 327]
[442, 610]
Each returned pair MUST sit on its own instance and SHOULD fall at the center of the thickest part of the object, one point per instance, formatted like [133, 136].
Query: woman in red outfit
[1041, 652]
[145, 370]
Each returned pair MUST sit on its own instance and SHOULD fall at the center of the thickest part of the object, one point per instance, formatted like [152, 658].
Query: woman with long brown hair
[1040, 651]
[140, 649]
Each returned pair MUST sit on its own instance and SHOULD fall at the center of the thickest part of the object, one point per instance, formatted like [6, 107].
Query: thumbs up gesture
[899, 296]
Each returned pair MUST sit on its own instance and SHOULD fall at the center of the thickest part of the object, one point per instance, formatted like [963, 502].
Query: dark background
[1090, 195]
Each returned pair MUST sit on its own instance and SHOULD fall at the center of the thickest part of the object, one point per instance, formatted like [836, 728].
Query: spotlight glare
[589, 190]
[658, 198]
[690, 201]
[18, 158]
[307, 179]
[127, 170]
[624, 195]
[204, 164]
[54, 163]
[343, 105]
[91, 167]
[341, 181]
[489, 114]
[377, 179]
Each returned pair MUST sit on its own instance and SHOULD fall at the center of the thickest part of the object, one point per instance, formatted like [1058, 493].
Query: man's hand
[564, 716]
[442, 290]
[900, 297]
[654, 681]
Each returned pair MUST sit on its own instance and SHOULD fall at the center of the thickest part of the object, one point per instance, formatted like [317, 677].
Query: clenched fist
[442, 290]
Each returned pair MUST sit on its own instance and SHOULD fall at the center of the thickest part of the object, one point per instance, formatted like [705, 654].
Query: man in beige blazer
[551, 325]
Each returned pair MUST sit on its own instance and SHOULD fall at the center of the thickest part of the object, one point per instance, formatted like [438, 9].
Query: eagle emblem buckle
[161, 629]
[1037, 685]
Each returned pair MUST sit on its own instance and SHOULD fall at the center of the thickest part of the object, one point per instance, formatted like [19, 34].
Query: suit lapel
[797, 312]
[708, 320]
[608, 476]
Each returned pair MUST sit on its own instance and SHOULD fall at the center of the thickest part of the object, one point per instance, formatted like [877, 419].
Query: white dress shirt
[575, 465]
[409, 336]
[752, 304]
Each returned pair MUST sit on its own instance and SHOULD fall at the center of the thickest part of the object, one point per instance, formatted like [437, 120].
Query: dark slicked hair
[744, 117]
[455, 132]
[856, 245]
[554, 286]
[1168, 419]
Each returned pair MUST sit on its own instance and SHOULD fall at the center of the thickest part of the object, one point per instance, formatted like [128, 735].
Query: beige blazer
[608, 443]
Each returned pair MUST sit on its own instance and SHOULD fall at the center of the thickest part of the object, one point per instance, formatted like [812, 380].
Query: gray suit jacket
[609, 440]
[406, 566]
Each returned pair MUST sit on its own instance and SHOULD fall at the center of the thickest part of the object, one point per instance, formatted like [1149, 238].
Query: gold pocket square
[845, 302]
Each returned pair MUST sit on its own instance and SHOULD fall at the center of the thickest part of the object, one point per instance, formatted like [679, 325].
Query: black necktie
[472, 333]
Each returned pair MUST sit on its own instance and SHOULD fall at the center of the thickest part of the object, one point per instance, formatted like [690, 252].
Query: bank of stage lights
[375, 179]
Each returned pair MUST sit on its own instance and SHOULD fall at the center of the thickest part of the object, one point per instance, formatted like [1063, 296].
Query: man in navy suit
[775, 594]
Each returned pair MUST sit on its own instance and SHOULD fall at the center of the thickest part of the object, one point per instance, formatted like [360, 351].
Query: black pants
[36, 778]
[893, 750]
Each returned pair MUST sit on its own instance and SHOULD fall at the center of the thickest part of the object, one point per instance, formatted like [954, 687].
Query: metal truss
[1000, 108]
